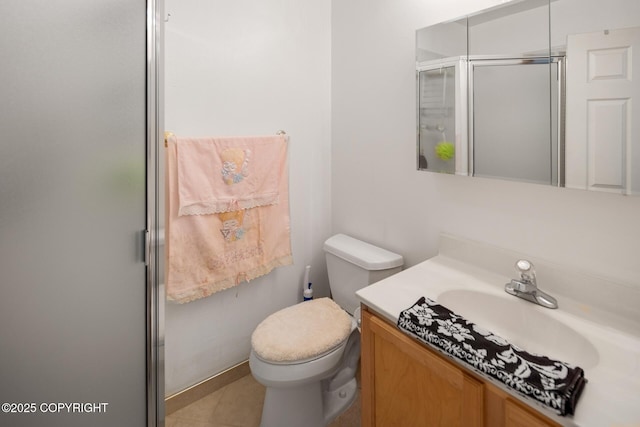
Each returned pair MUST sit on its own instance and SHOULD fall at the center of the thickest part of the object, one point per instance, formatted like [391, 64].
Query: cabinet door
[404, 384]
[516, 415]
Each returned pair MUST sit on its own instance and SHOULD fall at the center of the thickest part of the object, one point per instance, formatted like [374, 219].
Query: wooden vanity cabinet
[407, 384]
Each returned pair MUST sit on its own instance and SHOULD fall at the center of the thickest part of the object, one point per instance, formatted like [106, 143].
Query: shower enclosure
[79, 321]
[488, 116]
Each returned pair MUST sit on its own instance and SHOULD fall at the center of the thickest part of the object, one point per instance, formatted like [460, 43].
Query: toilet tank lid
[362, 254]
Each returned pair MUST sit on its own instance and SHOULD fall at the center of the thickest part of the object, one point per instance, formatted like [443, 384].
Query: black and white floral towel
[556, 384]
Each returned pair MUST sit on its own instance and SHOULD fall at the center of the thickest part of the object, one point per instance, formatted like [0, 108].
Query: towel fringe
[211, 288]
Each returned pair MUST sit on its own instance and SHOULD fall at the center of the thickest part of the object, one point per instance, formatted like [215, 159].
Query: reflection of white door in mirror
[602, 82]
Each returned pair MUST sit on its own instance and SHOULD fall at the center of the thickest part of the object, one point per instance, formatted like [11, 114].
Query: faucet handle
[527, 273]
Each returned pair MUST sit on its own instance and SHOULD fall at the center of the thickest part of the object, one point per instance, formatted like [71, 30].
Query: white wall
[378, 195]
[339, 78]
[250, 68]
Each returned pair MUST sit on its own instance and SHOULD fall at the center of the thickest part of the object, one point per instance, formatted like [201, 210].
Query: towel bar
[168, 134]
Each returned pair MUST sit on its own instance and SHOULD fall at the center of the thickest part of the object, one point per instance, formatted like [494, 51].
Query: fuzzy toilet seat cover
[302, 331]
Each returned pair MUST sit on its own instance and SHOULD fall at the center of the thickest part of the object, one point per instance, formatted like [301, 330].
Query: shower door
[514, 129]
[73, 302]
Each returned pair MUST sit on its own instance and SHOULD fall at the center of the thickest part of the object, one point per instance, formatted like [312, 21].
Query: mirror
[534, 91]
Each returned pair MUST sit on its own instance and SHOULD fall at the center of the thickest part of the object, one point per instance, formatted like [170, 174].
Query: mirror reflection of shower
[512, 134]
[437, 121]
[476, 117]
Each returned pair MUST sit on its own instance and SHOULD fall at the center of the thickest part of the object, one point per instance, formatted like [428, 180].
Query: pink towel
[224, 174]
[208, 253]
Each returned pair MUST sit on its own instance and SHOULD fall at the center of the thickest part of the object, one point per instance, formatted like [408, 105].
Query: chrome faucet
[527, 288]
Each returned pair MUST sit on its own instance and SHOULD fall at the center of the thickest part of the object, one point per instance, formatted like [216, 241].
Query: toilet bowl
[309, 392]
[307, 355]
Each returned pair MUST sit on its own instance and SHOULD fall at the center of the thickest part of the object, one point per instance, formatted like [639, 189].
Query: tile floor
[239, 404]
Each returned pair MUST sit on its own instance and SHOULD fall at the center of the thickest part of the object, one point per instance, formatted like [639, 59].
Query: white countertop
[611, 396]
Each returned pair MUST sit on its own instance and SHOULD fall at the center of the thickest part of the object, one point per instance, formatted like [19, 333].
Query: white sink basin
[523, 324]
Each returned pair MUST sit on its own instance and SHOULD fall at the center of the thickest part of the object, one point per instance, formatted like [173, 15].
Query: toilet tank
[353, 264]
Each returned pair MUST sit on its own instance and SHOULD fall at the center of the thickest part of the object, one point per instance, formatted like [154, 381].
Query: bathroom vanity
[406, 382]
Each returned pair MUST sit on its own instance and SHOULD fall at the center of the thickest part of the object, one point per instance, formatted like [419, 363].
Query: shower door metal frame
[153, 234]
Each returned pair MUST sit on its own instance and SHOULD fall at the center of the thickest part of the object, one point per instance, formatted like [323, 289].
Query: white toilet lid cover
[302, 331]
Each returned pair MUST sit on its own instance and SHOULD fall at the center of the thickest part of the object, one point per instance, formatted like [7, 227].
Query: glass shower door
[514, 125]
[72, 213]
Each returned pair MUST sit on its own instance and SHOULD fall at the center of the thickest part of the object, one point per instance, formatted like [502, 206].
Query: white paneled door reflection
[602, 85]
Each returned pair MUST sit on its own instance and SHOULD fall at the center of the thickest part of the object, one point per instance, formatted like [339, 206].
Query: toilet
[307, 355]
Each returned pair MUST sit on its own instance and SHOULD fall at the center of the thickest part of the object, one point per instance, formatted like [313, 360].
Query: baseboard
[198, 391]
